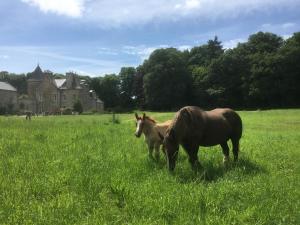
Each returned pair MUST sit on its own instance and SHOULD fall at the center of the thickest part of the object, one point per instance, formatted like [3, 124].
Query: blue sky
[97, 37]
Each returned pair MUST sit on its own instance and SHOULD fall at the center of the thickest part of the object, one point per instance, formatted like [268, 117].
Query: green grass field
[87, 170]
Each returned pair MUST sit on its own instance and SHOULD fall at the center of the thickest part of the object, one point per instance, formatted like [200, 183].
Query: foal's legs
[235, 148]
[157, 147]
[150, 147]
[225, 150]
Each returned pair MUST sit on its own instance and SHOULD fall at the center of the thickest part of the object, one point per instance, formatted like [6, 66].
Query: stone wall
[9, 99]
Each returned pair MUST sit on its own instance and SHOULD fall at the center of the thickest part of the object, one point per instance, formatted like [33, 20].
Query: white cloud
[115, 13]
[106, 51]
[184, 47]
[4, 57]
[276, 27]
[72, 8]
[188, 5]
[284, 29]
[57, 60]
[233, 43]
[288, 25]
[286, 36]
[142, 51]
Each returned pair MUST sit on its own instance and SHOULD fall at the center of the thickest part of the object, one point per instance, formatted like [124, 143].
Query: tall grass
[88, 170]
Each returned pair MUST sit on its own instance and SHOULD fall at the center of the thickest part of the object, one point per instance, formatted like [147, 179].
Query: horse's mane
[183, 120]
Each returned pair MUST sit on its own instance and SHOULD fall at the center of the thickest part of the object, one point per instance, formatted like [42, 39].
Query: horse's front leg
[157, 147]
[192, 151]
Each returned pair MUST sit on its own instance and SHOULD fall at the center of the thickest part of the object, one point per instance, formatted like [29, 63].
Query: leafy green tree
[166, 79]
[263, 80]
[77, 107]
[19, 81]
[226, 79]
[200, 85]
[127, 78]
[138, 87]
[107, 89]
[204, 54]
[289, 70]
[264, 43]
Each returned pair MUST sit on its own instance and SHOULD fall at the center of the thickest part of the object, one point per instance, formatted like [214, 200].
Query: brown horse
[193, 127]
[151, 130]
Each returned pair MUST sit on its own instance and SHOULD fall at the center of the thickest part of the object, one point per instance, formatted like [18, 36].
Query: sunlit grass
[88, 170]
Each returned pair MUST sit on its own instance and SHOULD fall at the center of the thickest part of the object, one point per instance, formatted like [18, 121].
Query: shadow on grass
[153, 163]
[210, 172]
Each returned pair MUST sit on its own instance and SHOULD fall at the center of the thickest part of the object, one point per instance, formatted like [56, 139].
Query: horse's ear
[136, 116]
[161, 136]
[144, 115]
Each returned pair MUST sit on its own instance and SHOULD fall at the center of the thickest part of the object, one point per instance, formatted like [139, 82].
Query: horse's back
[216, 126]
[228, 118]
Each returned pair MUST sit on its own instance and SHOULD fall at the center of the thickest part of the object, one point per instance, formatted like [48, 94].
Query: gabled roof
[73, 81]
[6, 86]
[59, 82]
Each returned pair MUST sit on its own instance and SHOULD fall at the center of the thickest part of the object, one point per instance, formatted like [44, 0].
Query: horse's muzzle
[137, 135]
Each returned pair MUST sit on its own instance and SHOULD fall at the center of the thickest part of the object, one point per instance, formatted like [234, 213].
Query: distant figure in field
[151, 129]
[28, 115]
[192, 127]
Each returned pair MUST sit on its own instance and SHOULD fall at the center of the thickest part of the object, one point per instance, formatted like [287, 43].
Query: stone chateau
[46, 95]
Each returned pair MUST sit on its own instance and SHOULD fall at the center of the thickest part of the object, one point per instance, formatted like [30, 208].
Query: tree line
[263, 72]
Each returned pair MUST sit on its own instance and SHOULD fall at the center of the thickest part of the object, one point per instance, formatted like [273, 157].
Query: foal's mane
[150, 119]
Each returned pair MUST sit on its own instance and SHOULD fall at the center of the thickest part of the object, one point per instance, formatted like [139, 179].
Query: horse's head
[140, 122]
[171, 147]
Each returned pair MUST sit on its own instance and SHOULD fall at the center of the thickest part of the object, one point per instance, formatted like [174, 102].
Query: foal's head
[141, 123]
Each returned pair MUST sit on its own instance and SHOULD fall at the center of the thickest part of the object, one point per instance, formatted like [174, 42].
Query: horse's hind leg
[225, 150]
[194, 161]
[235, 148]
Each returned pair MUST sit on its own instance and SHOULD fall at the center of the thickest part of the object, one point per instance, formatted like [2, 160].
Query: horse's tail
[238, 125]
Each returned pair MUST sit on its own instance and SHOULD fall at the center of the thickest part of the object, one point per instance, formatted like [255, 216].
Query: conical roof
[37, 74]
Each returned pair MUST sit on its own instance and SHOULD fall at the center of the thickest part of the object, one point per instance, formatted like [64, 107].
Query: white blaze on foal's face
[139, 127]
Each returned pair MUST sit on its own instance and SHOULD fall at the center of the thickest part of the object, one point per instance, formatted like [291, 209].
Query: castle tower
[35, 79]
[34, 82]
